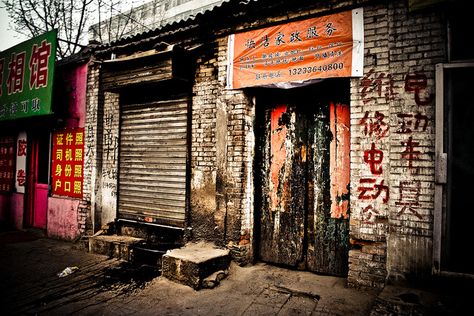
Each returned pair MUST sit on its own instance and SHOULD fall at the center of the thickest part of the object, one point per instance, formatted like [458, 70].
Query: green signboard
[26, 77]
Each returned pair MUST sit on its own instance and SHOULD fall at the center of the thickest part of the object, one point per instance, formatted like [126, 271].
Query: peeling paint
[278, 145]
[305, 186]
[339, 118]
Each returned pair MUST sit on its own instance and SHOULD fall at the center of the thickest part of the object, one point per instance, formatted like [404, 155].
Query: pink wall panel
[76, 81]
[41, 204]
[17, 210]
[4, 208]
[62, 218]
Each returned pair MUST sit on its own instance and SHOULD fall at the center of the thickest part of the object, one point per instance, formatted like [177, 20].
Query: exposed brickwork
[367, 266]
[203, 148]
[84, 218]
[222, 154]
[368, 223]
[240, 152]
[93, 132]
[392, 115]
[416, 45]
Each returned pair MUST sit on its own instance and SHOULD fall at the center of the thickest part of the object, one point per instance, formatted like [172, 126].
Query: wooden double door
[303, 168]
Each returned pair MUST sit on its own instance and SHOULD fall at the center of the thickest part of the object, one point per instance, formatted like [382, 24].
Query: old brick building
[352, 175]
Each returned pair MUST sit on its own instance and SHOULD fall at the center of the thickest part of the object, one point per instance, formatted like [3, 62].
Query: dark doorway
[302, 180]
[459, 107]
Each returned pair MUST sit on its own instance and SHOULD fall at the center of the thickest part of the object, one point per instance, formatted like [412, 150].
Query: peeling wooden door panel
[304, 215]
[283, 212]
[339, 119]
[318, 195]
[329, 178]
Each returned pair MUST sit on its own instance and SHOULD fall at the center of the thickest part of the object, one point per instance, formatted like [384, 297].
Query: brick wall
[392, 148]
[369, 215]
[93, 136]
[222, 156]
[416, 45]
[203, 149]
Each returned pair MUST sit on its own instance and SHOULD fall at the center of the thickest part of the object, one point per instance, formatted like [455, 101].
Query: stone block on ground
[193, 263]
[114, 246]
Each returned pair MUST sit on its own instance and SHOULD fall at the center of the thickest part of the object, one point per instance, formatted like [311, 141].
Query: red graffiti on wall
[22, 145]
[21, 177]
[369, 212]
[409, 123]
[417, 83]
[369, 185]
[409, 197]
[372, 189]
[374, 126]
[377, 84]
[410, 153]
[373, 157]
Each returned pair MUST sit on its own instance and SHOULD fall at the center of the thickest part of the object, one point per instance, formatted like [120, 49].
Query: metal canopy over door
[153, 155]
[303, 215]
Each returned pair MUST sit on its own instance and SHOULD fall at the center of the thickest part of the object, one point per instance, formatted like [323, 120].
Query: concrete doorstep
[114, 246]
[198, 265]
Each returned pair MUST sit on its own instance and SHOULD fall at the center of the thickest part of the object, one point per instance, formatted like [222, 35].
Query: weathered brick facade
[93, 145]
[221, 151]
[392, 229]
[392, 138]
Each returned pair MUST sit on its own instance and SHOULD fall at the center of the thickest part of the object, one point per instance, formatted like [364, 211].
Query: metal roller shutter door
[152, 173]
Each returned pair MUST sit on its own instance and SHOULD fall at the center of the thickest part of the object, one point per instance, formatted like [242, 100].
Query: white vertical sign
[21, 151]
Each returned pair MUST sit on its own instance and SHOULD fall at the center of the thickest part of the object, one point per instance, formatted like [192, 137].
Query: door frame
[441, 173]
[32, 164]
[334, 93]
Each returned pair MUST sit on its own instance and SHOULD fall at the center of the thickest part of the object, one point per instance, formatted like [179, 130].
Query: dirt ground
[29, 267]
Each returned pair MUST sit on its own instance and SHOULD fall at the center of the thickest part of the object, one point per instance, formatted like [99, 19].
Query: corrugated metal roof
[185, 16]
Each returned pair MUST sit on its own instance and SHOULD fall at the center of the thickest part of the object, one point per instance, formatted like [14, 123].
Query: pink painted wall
[17, 210]
[4, 208]
[62, 218]
[75, 80]
[41, 204]
[12, 209]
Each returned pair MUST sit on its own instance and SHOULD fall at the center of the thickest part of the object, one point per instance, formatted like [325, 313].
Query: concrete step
[114, 246]
[193, 263]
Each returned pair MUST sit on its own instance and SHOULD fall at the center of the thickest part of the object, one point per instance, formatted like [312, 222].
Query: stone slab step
[194, 262]
[114, 246]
